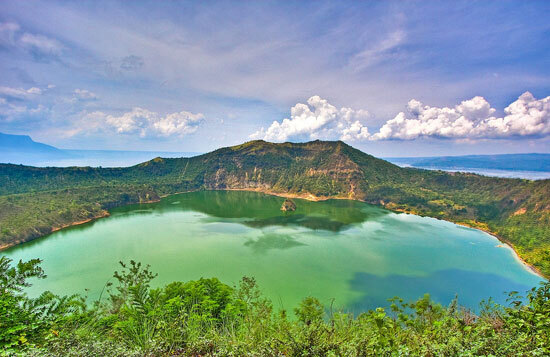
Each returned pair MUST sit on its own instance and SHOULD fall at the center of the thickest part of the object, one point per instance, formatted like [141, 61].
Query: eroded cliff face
[344, 184]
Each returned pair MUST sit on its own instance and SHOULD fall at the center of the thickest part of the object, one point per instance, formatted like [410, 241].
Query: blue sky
[410, 78]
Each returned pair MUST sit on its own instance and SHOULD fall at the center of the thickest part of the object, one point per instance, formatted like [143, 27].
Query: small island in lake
[288, 206]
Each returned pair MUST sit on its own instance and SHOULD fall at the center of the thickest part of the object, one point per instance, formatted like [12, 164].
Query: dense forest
[35, 201]
[207, 318]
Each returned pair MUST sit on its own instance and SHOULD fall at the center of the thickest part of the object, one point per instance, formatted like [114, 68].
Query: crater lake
[346, 253]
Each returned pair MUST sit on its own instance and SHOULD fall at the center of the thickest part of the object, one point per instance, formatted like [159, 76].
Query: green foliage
[310, 311]
[208, 318]
[532, 321]
[26, 322]
[27, 216]
[16, 320]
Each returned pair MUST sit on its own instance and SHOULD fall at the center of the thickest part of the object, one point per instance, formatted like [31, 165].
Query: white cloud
[41, 43]
[12, 35]
[526, 116]
[19, 93]
[471, 119]
[377, 52]
[84, 94]
[317, 119]
[7, 33]
[10, 112]
[181, 123]
[143, 122]
[34, 90]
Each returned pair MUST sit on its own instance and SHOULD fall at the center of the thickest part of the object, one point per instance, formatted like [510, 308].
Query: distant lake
[357, 254]
[534, 166]
[523, 174]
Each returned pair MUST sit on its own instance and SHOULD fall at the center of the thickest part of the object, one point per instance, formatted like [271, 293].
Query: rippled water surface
[357, 254]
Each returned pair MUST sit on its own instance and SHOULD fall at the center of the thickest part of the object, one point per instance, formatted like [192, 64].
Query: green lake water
[357, 254]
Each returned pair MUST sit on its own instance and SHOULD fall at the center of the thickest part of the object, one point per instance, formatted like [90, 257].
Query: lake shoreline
[7, 246]
[506, 244]
[309, 197]
[77, 223]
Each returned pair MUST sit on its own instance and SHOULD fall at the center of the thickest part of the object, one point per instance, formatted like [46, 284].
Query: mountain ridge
[517, 211]
[22, 149]
[24, 143]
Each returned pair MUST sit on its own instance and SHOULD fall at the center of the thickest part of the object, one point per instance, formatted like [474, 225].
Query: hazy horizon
[21, 150]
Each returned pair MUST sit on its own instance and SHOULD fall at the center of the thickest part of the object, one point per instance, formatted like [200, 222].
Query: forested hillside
[33, 201]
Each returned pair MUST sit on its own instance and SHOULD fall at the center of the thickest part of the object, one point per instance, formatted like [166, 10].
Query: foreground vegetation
[33, 201]
[209, 318]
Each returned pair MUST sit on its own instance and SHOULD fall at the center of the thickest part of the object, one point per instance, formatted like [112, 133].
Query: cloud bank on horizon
[471, 119]
[188, 76]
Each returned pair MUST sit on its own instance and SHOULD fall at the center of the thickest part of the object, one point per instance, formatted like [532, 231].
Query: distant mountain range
[23, 144]
[21, 149]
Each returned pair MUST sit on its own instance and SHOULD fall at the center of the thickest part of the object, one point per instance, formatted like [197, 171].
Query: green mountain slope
[516, 210]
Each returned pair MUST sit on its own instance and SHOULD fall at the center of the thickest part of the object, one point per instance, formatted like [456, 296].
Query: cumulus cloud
[317, 119]
[22, 106]
[145, 123]
[83, 94]
[19, 93]
[471, 119]
[526, 116]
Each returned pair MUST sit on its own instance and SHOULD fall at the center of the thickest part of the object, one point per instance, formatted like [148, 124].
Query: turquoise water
[349, 252]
